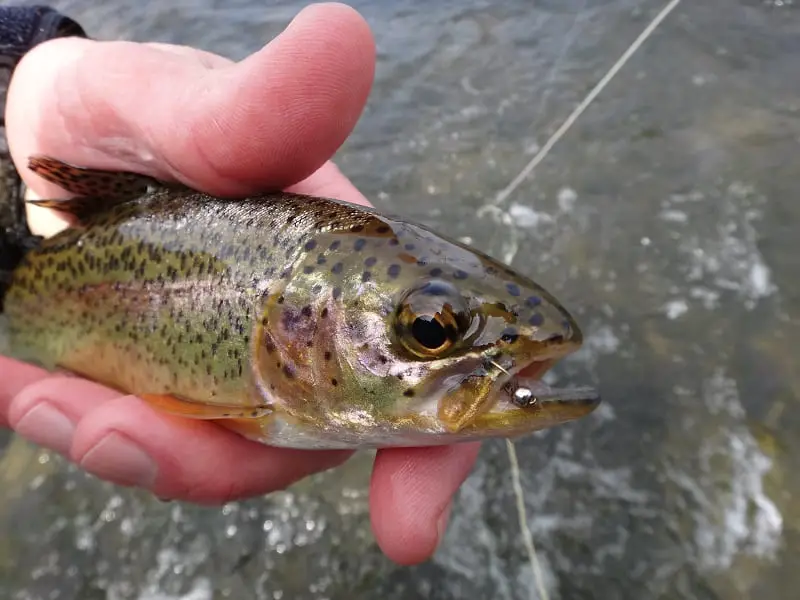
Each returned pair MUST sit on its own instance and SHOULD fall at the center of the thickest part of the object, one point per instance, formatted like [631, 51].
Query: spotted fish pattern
[294, 320]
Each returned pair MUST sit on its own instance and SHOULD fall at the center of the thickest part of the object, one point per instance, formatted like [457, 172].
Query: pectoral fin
[252, 429]
[200, 410]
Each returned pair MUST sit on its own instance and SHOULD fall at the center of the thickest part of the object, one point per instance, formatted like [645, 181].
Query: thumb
[226, 128]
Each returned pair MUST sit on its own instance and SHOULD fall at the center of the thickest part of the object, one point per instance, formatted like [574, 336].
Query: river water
[666, 218]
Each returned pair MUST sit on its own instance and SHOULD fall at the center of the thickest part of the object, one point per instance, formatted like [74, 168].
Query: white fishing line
[527, 535]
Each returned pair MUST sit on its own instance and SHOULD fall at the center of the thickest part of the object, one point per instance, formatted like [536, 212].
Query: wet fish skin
[290, 319]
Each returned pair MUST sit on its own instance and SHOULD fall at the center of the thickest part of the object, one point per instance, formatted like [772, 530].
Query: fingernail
[47, 426]
[441, 524]
[117, 459]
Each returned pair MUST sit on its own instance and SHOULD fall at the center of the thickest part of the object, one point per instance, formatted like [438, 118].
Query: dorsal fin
[93, 188]
[93, 183]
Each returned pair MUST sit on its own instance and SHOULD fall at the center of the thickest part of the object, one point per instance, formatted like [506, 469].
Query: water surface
[666, 219]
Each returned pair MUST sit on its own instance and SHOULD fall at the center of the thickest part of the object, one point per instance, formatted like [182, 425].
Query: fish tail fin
[21, 28]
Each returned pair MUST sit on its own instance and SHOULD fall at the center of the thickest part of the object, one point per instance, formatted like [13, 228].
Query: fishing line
[503, 195]
[579, 110]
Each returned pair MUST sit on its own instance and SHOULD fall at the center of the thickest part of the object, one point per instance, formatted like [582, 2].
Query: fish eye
[431, 320]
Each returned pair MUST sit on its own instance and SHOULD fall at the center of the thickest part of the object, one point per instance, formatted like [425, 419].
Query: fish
[292, 320]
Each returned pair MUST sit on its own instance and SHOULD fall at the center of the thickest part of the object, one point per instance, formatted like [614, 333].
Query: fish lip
[580, 400]
[547, 407]
[541, 406]
[526, 393]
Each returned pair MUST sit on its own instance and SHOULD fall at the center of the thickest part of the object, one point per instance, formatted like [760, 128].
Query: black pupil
[429, 332]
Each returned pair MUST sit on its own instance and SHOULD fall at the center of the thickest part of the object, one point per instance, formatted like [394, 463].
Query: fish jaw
[520, 406]
[544, 407]
[529, 405]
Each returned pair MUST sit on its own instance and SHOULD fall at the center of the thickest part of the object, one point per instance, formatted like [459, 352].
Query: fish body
[295, 321]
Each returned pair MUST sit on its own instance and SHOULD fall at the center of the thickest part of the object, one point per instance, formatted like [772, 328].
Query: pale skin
[270, 121]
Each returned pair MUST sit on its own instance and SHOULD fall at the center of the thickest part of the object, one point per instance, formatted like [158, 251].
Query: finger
[410, 496]
[47, 411]
[329, 182]
[127, 442]
[263, 123]
[207, 60]
[122, 440]
[16, 376]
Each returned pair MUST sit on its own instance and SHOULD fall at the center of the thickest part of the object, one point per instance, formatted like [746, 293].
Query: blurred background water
[666, 219]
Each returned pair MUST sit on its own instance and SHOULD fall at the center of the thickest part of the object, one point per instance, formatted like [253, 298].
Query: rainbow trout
[295, 321]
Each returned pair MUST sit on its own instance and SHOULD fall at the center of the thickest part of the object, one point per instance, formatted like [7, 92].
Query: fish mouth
[524, 403]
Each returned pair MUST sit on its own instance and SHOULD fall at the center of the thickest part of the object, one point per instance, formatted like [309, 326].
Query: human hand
[270, 121]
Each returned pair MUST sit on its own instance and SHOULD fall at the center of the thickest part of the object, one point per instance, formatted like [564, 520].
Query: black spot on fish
[436, 272]
[334, 383]
[337, 291]
[509, 334]
[533, 301]
[337, 268]
[393, 271]
[306, 311]
[382, 229]
[308, 269]
[459, 274]
[327, 355]
[357, 228]
[366, 276]
[360, 243]
[324, 313]
[335, 245]
[409, 393]
[513, 289]
[288, 371]
[310, 245]
[536, 319]
[370, 261]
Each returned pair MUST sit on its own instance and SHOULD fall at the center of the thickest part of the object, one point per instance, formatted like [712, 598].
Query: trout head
[389, 334]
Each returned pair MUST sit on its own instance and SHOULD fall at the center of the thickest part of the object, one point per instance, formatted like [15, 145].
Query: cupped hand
[270, 121]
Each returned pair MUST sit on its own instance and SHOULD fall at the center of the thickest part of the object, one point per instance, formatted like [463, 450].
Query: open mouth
[525, 403]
